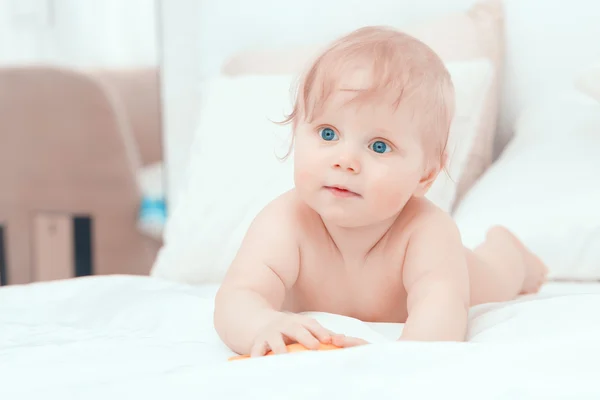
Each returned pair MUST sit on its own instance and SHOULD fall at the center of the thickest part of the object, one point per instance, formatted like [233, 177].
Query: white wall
[227, 26]
[106, 33]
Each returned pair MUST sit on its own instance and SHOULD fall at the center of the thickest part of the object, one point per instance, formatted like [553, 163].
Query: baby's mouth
[341, 191]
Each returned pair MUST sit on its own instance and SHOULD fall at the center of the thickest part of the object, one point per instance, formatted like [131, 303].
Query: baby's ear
[431, 173]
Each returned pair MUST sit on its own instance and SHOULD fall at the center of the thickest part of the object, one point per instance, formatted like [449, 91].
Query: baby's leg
[502, 268]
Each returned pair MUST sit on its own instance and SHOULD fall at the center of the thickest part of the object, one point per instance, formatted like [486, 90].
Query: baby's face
[358, 164]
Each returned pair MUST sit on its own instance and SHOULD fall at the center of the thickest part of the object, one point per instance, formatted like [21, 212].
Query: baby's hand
[347, 341]
[289, 328]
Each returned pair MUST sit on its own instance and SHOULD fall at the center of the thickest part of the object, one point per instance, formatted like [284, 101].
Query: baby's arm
[265, 267]
[437, 281]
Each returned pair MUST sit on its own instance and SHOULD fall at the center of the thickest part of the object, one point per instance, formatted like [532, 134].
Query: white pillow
[588, 81]
[544, 188]
[234, 170]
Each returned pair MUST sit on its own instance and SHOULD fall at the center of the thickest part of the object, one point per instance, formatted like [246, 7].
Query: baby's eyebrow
[383, 131]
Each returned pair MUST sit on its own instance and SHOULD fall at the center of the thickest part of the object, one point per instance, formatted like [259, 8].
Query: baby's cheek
[301, 177]
[388, 196]
[303, 174]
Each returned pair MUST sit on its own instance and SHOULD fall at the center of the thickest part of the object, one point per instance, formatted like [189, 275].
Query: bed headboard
[547, 42]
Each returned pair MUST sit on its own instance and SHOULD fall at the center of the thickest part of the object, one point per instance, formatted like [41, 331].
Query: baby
[356, 236]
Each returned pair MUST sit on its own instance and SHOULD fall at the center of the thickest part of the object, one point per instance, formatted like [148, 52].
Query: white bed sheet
[143, 338]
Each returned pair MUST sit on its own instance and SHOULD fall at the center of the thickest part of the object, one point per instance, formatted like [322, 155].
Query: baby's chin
[343, 217]
[343, 213]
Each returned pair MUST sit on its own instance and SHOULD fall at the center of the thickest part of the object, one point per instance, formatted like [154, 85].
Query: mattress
[141, 337]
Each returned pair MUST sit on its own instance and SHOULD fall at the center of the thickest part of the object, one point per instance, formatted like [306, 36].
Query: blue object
[152, 215]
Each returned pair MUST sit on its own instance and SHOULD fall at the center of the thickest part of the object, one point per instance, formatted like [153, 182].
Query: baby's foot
[535, 270]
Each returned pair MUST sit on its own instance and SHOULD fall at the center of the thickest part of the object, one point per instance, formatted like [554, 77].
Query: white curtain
[79, 33]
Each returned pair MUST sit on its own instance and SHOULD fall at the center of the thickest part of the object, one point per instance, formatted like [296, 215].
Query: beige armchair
[71, 143]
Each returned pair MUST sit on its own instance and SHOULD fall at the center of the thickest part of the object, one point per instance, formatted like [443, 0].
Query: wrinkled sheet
[144, 338]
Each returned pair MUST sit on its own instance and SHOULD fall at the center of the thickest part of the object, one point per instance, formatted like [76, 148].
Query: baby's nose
[347, 164]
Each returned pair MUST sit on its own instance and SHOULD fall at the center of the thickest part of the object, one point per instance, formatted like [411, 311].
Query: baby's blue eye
[380, 147]
[328, 134]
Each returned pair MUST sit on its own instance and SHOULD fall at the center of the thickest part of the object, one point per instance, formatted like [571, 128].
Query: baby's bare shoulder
[288, 211]
[425, 219]
[285, 221]
[420, 223]
[435, 253]
[270, 248]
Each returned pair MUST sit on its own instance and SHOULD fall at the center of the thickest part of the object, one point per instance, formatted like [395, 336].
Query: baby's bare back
[369, 289]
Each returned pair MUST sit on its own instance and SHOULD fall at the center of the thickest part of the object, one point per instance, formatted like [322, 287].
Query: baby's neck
[355, 244]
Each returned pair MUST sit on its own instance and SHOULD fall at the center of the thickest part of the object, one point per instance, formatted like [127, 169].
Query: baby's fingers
[303, 336]
[274, 344]
[259, 349]
[347, 341]
[322, 334]
[277, 344]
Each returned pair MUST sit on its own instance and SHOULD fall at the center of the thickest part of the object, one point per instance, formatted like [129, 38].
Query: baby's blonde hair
[400, 66]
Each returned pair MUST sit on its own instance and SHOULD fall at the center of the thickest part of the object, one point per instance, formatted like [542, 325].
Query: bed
[144, 337]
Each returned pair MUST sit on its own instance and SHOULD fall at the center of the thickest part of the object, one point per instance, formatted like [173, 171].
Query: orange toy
[292, 348]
